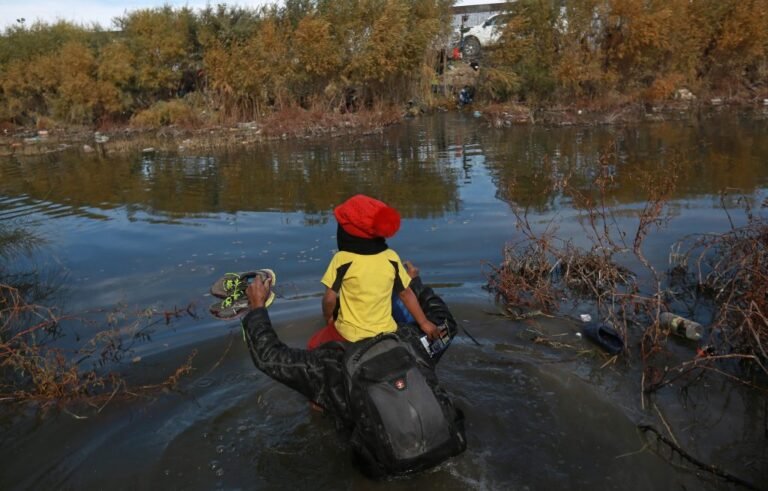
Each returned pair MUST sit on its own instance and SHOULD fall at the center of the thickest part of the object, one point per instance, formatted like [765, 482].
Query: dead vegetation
[725, 274]
[298, 122]
[729, 273]
[544, 273]
[35, 369]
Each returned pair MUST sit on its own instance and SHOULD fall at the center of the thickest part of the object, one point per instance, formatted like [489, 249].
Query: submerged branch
[713, 469]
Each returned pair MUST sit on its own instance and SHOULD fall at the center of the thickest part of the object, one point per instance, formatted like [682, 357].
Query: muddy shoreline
[304, 126]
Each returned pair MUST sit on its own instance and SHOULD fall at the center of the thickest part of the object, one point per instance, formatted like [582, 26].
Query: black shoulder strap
[398, 285]
[341, 271]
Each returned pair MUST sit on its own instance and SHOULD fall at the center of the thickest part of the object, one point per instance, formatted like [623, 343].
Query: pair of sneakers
[231, 288]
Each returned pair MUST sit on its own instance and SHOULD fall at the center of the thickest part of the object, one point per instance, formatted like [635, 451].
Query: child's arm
[329, 304]
[412, 304]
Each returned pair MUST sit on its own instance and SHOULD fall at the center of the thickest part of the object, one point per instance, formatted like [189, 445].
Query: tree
[163, 43]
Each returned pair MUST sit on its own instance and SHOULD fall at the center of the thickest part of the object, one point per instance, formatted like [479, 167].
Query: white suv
[484, 34]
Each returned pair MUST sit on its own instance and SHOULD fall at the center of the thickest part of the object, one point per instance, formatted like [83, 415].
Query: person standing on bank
[382, 392]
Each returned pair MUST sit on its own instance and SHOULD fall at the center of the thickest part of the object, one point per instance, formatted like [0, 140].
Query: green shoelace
[234, 283]
[227, 302]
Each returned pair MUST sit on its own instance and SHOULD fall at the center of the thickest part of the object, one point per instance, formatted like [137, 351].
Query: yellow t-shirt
[364, 284]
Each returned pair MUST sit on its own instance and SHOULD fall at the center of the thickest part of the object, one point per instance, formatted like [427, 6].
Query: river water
[155, 230]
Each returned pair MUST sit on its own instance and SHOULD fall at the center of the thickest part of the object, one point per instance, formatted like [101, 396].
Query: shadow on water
[157, 230]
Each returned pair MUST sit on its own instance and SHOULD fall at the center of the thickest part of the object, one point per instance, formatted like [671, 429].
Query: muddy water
[155, 230]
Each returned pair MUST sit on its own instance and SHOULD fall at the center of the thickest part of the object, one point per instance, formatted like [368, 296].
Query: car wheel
[471, 47]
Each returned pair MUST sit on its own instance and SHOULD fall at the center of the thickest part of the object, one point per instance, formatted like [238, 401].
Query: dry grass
[298, 122]
[34, 370]
[730, 270]
[167, 113]
[726, 272]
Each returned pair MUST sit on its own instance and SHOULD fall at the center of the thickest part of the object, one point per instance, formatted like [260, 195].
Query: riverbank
[293, 123]
[302, 124]
[505, 115]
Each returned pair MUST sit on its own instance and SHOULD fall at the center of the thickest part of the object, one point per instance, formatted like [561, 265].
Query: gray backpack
[404, 422]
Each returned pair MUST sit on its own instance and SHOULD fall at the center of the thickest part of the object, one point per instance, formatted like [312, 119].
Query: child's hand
[430, 329]
[412, 270]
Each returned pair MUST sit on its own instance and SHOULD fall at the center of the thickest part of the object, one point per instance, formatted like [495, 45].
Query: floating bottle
[680, 326]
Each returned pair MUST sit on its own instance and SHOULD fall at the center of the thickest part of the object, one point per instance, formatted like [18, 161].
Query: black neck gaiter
[358, 245]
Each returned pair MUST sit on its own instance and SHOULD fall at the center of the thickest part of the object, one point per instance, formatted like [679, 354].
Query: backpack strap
[357, 350]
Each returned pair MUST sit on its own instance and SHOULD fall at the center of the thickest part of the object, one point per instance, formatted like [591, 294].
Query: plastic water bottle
[680, 326]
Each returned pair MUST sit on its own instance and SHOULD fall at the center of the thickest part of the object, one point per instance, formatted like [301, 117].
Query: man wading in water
[382, 392]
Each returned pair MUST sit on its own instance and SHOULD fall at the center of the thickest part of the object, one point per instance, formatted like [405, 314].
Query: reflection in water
[399, 168]
[417, 167]
[709, 157]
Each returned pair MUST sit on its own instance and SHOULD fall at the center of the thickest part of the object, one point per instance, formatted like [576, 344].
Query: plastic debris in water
[605, 336]
[680, 326]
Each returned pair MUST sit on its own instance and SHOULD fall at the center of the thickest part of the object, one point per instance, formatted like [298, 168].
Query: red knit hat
[368, 218]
